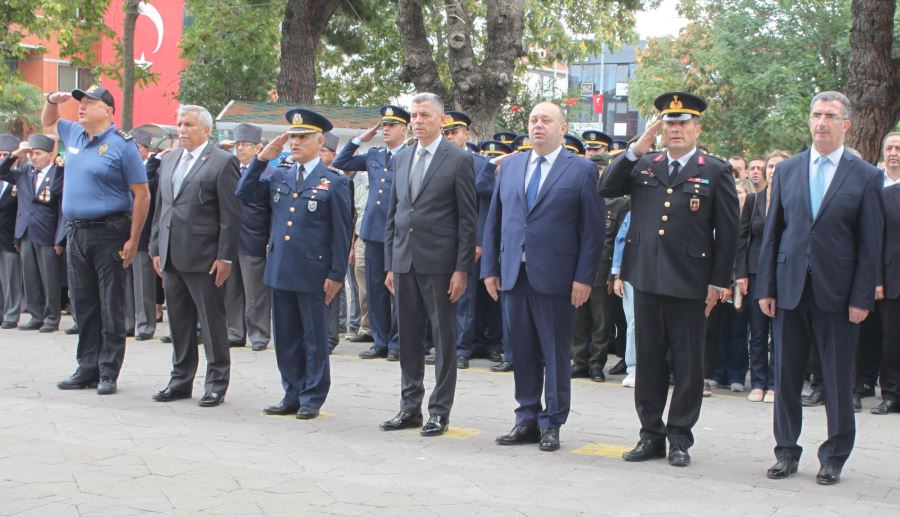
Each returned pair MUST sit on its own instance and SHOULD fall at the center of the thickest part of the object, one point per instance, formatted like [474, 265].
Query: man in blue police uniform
[490, 317]
[310, 240]
[595, 142]
[679, 256]
[248, 301]
[379, 163]
[470, 339]
[542, 245]
[105, 207]
[37, 223]
[10, 262]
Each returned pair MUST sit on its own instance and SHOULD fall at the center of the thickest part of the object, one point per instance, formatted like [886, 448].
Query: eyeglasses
[830, 117]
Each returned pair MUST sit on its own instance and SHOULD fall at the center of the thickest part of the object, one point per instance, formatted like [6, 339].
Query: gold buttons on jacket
[290, 223]
[292, 209]
[669, 191]
[662, 232]
[667, 204]
[665, 218]
[295, 195]
[287, 237]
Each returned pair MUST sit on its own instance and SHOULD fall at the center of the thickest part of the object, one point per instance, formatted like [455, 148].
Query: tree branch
[418, 65]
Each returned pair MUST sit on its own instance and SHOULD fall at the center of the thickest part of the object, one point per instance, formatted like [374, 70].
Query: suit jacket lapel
[661, 170]
[196, 166]
[803, 187]
[439, 156]
[312, 179]
[519, 178]
[563, 160]
[840, 174]
[688, 171]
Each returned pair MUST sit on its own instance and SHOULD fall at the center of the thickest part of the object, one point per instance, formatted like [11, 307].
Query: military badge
[695, 204]
[323, 184]
[277, 197]
[675, 104]
[298, 119]
[647, 172]
[13, 192]
[389, 112]
[102, 149]
[312, 205]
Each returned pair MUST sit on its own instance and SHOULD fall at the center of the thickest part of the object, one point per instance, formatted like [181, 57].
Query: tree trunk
[301, 33]
[873, 76]
[478, 89]
[131, 15]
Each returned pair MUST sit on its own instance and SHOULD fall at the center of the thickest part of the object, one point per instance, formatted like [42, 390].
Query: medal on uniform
[277, 195]
[312, 205]
[695, 204]
[102, 149]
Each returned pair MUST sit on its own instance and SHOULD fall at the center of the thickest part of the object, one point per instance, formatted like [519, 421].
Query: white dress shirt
[833, 159]
[545, 167]
[432, 148]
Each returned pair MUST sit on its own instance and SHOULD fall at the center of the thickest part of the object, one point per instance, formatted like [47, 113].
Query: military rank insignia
[13, 192]
[102, 149]
[695, 204]
[323, 184]
[277, 197]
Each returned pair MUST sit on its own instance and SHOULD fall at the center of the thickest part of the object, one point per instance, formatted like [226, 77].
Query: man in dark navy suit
[37, 223]
[679, 256]
[10, 262]
[816, 278]
[542, 243]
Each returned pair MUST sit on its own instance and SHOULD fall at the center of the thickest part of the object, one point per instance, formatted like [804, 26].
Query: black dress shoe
[430, 359]
[34, 324]
[76, 383]
[236, 344]
[580, 372]
[361, 338]
[373, 353]
[828, 475]
[210, 399]
[505, 366]
[784, 467]
[857, 403]
[165, 339]
[496, 356]
[679, 457]
[549, 439]
[403, 420]
[48, 327]
[393, 355]
[597, 375]
[168, 395]
[107, 386]
[645, 450]
[520, 434]
[144, 337]
[281, 409]
[307, 413]
[259, 347]
[619, 369]
[71, 331]
[129, 333]
[886, 406]
[435, 426]
[9, 325]
[816, 398]
[462, 362]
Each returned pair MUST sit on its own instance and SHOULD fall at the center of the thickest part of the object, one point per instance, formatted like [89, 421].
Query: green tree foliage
[20, 107]
[232, 50]
[756, 62]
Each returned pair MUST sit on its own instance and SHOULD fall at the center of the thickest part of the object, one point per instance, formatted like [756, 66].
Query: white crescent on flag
[146, 9]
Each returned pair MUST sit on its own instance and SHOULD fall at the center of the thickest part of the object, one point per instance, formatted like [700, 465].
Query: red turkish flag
[598, 103]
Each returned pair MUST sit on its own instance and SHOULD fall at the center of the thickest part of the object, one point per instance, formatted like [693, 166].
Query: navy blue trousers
[301, 346]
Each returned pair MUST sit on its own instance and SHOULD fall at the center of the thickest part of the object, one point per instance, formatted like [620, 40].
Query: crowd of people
[544, 252]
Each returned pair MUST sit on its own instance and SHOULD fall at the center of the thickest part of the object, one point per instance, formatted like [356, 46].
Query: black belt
[101, 221]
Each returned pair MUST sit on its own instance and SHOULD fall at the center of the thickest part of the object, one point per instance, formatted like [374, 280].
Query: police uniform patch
[102, 149]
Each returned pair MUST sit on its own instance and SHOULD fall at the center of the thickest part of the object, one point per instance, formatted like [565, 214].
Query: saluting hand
[365, 137]
[271, 151]
[645, 142]
[59, 97]
[580, 293]
[222, 271]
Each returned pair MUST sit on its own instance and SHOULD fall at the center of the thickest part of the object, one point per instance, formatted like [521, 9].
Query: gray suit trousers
[193, 297]
[422, 298]
[11, 285]
[234, 305]
[144, 294]
[42, 269]
[257, 300]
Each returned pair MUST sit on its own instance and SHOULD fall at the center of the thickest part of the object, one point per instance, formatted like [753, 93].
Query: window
[68, 78]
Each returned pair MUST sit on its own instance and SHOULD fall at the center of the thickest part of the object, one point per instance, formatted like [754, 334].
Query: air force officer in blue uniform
[816, 277]
[307, 262]
[542, 244]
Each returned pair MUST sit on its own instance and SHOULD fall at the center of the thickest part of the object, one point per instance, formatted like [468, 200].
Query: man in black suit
[429, 247]
[37, 223]
[679, 256]
[10, 262]
[816, 278]
[888, 290]
[196, 229]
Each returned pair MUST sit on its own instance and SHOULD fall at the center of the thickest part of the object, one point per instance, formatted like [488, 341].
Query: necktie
[301, 173]
[534, 184]
[243, 169]
[418, 171]
[817, 186]
[387, 160]
[676, 166]
[183, 167]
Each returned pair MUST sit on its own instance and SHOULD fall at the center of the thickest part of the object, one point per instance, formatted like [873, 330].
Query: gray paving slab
[77, 453]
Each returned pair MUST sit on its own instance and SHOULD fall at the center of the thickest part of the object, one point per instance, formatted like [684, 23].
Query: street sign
[587, 89]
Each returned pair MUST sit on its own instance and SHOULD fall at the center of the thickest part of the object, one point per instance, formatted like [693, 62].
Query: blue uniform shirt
[98, 172]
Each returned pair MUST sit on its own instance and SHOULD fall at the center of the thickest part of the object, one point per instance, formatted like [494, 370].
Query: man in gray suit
[196, 228]
[429, 245]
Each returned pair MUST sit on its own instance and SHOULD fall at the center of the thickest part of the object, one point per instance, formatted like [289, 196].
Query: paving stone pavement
[76, 453]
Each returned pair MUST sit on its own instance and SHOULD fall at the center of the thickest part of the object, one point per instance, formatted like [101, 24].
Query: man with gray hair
[817, 271]
[196, 230]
